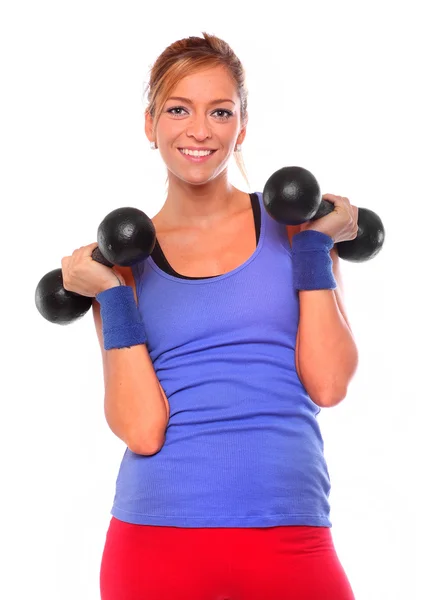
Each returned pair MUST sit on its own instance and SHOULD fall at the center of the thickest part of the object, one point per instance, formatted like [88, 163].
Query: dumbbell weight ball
[126, 236]
[292, 196]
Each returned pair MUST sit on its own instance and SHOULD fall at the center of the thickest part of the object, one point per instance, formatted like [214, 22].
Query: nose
[199, 128]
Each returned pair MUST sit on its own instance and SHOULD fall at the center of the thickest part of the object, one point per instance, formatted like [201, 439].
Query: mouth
[196, 159]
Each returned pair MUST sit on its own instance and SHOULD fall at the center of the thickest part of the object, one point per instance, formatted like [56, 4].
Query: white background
[344, 89]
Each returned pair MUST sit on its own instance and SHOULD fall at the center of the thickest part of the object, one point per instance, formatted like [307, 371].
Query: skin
[199, 195]
[201, 200]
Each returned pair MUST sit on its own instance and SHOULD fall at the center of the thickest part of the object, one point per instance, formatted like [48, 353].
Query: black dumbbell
[126, 236]
[292, 196]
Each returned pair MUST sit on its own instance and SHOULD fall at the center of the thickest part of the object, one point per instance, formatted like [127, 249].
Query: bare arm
[326, 354]
[135, 405]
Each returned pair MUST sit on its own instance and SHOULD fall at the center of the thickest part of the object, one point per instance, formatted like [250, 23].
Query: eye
[175, 108]
[227, 113]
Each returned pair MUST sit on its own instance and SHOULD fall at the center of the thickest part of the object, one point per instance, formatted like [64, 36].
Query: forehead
[206, 85]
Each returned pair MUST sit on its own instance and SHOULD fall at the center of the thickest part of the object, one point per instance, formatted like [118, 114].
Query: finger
[331, 196]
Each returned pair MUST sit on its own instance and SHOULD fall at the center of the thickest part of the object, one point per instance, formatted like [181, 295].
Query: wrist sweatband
[311, 261]
[122, 323]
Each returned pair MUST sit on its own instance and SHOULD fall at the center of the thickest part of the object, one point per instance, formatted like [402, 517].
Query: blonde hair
[185, 57]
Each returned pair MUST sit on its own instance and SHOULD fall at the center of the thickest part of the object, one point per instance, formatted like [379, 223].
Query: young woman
[219, 351]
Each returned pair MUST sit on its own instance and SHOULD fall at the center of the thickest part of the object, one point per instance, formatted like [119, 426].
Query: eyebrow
[188, 101]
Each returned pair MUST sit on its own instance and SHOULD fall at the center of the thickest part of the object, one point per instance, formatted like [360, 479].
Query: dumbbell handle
[370, 234]
[98, 257]
[128, 236]
[292, 194]
[324, 209]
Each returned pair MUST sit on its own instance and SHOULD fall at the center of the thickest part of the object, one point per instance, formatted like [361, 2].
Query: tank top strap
[275, 232]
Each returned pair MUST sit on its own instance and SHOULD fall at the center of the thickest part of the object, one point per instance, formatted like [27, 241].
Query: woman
[219, 351]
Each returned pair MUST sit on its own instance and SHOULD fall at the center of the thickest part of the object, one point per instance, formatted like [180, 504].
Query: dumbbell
[126, 236]
[292, 196]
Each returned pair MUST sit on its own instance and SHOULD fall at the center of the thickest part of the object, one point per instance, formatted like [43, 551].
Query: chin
[198, 179]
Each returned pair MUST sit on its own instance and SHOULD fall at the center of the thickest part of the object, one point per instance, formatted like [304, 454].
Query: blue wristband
[122, 323]
[311, 261]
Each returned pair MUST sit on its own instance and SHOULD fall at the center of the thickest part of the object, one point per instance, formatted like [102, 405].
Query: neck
[198, 206]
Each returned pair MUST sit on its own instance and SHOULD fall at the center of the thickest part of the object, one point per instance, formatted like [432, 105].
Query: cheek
[169, 130]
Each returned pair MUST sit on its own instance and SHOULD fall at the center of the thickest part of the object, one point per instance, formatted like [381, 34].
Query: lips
[196, 159]
[199, 149]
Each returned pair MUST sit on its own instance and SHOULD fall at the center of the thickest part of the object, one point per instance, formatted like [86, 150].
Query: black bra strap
[160, 259]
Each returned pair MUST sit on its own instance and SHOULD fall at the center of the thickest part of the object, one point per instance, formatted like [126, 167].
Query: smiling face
[203, 111]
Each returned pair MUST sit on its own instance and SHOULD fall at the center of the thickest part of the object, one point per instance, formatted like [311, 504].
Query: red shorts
[148, 562]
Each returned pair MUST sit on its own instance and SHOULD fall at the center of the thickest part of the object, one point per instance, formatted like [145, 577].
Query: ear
[242, 133]
[149, 126]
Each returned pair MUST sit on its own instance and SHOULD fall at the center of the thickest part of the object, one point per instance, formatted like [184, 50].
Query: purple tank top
[243, 445]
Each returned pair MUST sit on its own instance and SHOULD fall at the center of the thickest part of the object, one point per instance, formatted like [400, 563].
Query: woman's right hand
[85, 276]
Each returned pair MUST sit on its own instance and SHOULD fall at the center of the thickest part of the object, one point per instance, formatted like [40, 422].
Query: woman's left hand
[340, 224]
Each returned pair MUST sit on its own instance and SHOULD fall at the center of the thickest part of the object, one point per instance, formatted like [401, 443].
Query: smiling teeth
[196, 152]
